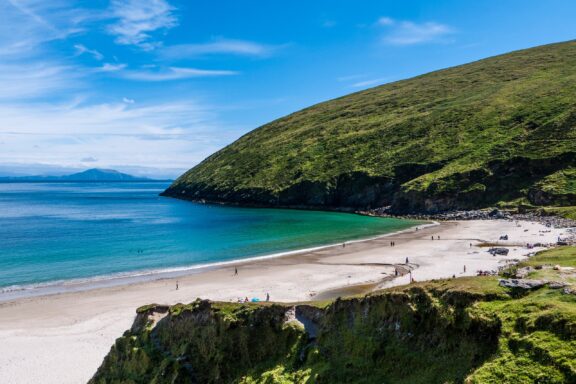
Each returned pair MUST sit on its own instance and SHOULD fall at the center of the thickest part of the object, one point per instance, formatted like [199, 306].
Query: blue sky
[154, 86]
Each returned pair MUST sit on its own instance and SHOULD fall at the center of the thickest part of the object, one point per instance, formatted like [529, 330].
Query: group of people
[486, 273]
[254, 300]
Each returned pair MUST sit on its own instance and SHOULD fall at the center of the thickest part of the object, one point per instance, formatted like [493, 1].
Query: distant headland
[89, 175]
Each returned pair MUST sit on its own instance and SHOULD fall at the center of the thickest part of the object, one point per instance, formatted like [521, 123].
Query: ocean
[59, 234]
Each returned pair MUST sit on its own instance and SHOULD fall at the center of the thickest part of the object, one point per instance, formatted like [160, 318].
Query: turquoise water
[54, 232]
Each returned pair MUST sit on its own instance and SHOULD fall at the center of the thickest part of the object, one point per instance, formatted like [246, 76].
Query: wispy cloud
[173, 73]
[18, 81]
[27, 24]
[410, 33]
[221, 46]
[117, 133]
[370, 83]
[107, 67]
[81, 49]
[386, 21]
[138, 20]
[362, 80]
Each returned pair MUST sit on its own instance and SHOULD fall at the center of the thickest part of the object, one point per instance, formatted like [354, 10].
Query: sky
[152, 87]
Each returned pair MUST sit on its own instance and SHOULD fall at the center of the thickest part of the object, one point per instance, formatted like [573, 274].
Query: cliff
[468, 330]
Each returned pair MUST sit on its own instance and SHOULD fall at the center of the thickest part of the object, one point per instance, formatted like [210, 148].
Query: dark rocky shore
[480, 214]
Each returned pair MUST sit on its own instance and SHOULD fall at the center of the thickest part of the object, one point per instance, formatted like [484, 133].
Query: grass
[567, 212]
[499, 130]
[563, 256]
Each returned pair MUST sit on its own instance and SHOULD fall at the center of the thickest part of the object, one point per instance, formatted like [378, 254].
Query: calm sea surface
[54, 232]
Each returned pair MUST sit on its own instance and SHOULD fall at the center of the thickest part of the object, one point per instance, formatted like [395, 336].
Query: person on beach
[438, 237]
[246, 299]
[343, 245]
[432, 237]
[235, 271]
[407, 261]
[176, 284]
[464, 269]
[267, 296]
[395, 271]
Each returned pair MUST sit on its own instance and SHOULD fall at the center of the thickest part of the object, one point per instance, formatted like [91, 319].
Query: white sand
[63, 338]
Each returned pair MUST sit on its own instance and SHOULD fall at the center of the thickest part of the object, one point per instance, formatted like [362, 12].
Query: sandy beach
[63, 338]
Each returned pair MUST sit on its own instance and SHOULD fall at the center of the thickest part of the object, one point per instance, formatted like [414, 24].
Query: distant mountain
[94, 174]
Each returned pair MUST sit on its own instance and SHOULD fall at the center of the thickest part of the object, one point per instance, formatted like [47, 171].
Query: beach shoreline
[8, 294]
[41, 337]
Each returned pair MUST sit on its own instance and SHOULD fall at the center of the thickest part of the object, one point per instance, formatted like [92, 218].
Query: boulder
[557, 284]
[499, 251]
[522, 283]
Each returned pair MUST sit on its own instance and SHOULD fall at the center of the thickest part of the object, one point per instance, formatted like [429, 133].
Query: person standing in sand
[176, 284]
[235, 271]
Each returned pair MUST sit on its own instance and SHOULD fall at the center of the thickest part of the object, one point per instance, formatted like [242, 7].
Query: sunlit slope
[497, 130]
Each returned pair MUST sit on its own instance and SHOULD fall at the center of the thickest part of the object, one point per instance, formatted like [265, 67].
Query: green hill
[499, 130]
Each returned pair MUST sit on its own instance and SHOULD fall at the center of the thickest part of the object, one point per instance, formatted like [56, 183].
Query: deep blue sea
[55, 232]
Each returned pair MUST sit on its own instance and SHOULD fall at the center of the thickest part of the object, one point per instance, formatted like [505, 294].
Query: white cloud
[137, 20]
[81, 49]
[37, 79]
[410, 33]
[386, 21]
[107, 67]
[222, 46]
[169, 135]
[369, 83]
[174, 73]
[350, 77]
[26, 25]
[128, 101]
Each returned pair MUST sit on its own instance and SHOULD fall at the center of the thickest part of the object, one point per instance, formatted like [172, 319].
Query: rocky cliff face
[406, 336]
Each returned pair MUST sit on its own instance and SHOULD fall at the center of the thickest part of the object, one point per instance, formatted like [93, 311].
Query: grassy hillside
[466, 330]
[497, 130]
